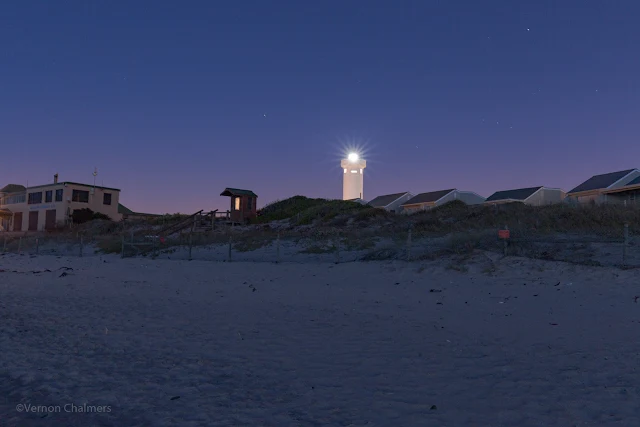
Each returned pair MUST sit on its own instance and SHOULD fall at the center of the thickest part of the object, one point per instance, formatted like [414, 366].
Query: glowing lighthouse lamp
[353, 177]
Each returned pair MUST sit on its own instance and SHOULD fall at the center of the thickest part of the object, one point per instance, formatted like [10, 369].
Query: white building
[534, 196]
[616, 188]
[391, 202]
[353, 177]
[45, 207]
[424, 201]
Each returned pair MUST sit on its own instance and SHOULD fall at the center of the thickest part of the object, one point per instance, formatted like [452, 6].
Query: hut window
[237, 204]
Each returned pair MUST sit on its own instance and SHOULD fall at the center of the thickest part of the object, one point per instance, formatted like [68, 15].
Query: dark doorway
[17, 221]
[33, 221]
[50, 220]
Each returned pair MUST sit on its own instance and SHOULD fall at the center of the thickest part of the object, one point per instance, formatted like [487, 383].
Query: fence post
[505, 243]
[190, 245]
[81, 243]
[4, 245]
[37, 246]
[625, 245]
[20, 244]
[337, 248]
[229, 248]
[409, 244]
[278, 248]
[122, 250]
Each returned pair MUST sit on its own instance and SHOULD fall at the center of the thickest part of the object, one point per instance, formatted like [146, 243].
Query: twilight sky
[173, 101]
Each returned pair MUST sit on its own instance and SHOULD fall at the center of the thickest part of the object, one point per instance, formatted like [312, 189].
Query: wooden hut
[243, 204]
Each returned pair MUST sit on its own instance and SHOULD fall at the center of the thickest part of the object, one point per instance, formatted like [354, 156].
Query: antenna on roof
[95, 173]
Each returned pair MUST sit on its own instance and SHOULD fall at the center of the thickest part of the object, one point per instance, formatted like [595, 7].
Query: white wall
[353, 179]
[67, 205]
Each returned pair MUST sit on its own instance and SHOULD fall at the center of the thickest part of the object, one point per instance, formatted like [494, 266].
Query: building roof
[429, 197]
[5, 212]
[122, 209]
[386, 200]
[598, 182]
[73, 183]
[12, 188]
[237, 192]
[634, 182]
[517, 194]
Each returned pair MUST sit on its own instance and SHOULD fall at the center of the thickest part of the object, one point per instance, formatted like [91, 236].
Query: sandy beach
[496, 342]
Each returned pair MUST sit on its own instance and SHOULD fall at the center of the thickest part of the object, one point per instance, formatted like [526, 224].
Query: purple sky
[173, 102]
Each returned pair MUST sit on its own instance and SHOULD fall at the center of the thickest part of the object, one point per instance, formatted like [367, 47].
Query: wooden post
[505, 243]
[409, 244]
[4, 245]
[37, 246]
[81, 242]
[190, 245]
[122, 250]
[625, 245]
[229, 248]
[20, 244]
[337, 248]
[278, 248]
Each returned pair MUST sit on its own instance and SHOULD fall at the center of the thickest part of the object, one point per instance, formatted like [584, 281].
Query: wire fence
[338, 245]
[46, 245]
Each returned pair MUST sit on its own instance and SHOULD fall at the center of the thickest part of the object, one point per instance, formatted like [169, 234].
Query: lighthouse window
[354, 171]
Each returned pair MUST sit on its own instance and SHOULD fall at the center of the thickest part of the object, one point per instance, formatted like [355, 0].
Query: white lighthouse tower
[353, 177]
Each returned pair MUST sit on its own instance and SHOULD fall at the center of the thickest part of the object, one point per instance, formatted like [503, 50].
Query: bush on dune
[456, 216]
[306, 210]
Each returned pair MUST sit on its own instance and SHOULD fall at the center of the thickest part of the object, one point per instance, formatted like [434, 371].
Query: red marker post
[504, 235]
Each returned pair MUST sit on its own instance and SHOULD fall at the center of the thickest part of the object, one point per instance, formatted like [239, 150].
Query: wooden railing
[181, 225]
[197, 221]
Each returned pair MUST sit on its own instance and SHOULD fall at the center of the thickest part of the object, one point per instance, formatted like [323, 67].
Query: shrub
[80, 216]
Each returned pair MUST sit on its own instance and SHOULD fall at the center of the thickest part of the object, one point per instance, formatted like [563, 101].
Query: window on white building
[35, 198]
[80, 196]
